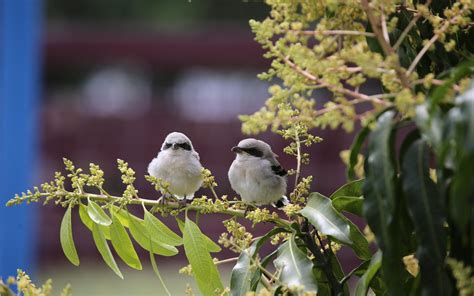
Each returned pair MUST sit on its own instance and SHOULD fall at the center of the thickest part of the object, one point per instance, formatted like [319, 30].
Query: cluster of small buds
[96, 176]
[236, 238]
[335, 247]
[299, 195]
[279, 238]
[77, 181]
[291, 209]
[464, 275]
[187, 270]
[261, 215]
[359, 167]
[208, 205]
[208, 180]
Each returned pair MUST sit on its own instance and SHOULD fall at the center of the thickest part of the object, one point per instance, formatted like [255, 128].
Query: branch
[332, 32]
[433, 39]
[384, 43]
[156, 203]
[408, 28]
[333, 88]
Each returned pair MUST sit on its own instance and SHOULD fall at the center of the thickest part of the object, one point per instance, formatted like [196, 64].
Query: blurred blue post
[20, 23]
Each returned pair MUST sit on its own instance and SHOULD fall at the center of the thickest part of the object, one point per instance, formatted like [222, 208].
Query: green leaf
[87, 221]
[355, 150]
[97, 214]
[364, 282]
[211, 245]
[104, 250]
[380, 200]
[242, 273]
[66, 239]
[296, 268]
[326, 219]
[204, 270]
[352, 188]
[142, 236]
[426, 210]
[122, 215]
[243, 279]
[157, 272]
[123, 245]
[351, 204]
[160, 231]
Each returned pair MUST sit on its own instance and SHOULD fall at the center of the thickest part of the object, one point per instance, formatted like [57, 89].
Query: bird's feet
[182, 203]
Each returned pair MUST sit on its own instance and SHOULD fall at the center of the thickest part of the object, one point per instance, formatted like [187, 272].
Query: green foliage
[67, 242]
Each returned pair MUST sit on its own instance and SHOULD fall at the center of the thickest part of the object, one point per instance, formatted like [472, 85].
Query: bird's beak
[236, 149]
[175, 146]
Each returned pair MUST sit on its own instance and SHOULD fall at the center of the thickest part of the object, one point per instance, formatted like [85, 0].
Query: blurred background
[96, 80]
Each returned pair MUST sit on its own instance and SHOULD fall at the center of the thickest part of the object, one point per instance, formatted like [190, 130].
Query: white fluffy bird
[256, 175]
[178, 164]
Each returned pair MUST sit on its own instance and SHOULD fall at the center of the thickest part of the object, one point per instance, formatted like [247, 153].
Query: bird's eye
[185, 146]
[253, 151]
[167, 145]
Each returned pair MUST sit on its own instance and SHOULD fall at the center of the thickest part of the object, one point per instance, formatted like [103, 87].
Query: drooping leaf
[359, 245]
[380, 200]
[364, 282]
[123, 245]
[157, 272]
[97, 214]
[326, 219]
[296, 268]
[211, 245]
[140, 233]
[351, 204]
[123, 215]
[104, 250]
[352, 188]
[425, 207]
[66, 239]
[87, 221]
[205, 271]
[160, 231]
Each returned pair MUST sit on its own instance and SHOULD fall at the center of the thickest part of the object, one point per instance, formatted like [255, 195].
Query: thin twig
[408, 28]
[229, 260]
[298, 158]
[433, 39]
[333, 32]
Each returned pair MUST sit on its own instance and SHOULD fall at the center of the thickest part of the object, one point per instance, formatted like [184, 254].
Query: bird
[256, 175]
[178, 164]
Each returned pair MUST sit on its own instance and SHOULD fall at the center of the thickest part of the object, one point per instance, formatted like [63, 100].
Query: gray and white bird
[178, 164]
[256, 175]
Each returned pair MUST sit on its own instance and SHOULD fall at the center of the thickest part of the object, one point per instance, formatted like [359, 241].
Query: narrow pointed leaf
[66, 239]
[296, 268]
[326, 219]
[104, 250]
[97, 214]
[87, 221]
[157, 272]
[425, 208]
[160, 231]
[122, 215]
[123, 245]
[142, 236]
[205, 271]
[364, 282]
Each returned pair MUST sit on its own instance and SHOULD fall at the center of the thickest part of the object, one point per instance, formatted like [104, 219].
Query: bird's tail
[283, 201]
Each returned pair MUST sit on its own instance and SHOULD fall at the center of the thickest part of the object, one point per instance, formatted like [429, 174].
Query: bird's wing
[276, 167]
